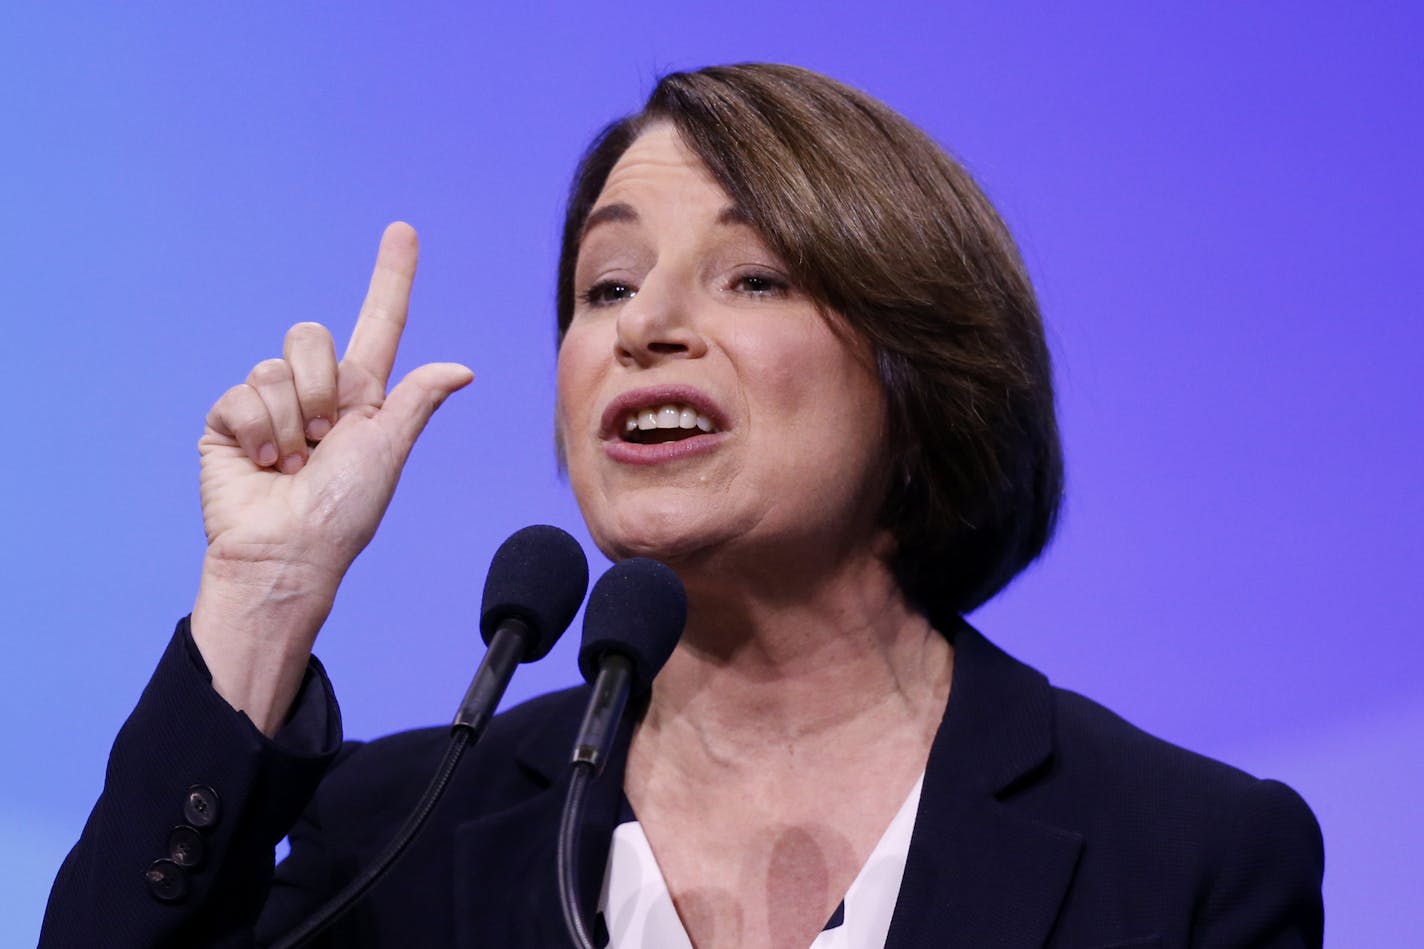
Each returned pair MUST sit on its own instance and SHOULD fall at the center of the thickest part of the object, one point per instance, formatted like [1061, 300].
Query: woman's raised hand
[298, 465]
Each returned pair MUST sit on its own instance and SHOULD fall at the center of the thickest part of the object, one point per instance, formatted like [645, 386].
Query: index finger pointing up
[378, 329]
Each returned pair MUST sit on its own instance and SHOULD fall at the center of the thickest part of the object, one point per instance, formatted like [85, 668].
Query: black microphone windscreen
[538, 575]
[637, 609]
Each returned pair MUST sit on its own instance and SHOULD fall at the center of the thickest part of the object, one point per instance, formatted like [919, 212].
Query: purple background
[1220, 207]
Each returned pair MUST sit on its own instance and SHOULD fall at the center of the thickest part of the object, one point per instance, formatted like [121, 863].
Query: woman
[799, 362]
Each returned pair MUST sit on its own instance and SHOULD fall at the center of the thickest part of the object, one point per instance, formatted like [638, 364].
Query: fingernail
[291, 464]
[267, 455]
[317, 428]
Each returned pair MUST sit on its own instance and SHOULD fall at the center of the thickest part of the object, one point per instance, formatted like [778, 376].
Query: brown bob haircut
[889, 234]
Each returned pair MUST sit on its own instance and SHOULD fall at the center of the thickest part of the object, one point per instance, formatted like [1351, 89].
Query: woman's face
[705, 405]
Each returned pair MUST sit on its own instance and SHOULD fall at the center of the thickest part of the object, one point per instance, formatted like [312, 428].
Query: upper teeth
[667, 416]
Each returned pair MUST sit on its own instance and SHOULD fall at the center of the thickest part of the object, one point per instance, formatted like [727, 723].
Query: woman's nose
[658, 323]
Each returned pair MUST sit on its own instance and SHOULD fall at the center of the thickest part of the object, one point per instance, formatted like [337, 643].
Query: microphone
[535, 584]
[634, 617]
[630, 627]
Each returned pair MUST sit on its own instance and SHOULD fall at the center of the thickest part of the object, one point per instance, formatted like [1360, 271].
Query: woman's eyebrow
[608, 214]
[734, 214]
[620, 213]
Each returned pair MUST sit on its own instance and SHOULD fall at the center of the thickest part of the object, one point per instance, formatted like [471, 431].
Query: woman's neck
[767, 670]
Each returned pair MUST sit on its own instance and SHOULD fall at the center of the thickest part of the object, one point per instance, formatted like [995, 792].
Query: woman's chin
[670, 547]
[673, 538]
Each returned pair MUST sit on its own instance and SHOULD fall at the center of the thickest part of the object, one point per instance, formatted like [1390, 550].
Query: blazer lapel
[521, 907]
[978, 874]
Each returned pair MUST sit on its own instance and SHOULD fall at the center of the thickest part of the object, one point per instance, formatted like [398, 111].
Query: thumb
[411, 403]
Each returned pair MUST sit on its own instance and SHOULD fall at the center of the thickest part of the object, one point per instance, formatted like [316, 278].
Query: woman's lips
[662, 423]
[633, 453]
[655, 398]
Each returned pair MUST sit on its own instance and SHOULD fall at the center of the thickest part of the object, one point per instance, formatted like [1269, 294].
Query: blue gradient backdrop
[1220, 206]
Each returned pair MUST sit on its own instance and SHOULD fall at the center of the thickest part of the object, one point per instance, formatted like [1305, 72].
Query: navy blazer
[1044, 821]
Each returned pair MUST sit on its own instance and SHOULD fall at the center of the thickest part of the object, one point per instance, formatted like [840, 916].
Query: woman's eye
[760, 284]
[606, 292]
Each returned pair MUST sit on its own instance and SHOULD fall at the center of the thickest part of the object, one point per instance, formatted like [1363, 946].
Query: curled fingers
[240, 414]
[272, 380]
[310, 355]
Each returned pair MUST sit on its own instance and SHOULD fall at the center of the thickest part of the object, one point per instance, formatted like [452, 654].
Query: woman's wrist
[254, 624]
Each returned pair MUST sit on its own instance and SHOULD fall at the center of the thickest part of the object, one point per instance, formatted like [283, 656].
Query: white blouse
[637, 912]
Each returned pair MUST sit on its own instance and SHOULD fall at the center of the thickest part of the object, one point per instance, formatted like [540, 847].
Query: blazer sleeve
[1265, 891]
[178, 850]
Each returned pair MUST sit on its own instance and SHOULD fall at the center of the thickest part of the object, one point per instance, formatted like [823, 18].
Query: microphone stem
[338, 904]
[506, 650]
[595, 738]
[567, 855]
[605, 708]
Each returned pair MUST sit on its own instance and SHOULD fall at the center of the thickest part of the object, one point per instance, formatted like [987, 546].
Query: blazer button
[186, 847]
[167, 881]
[200, 806]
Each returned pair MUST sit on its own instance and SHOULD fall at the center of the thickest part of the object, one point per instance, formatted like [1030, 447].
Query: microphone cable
[631, 626]
[535, 584]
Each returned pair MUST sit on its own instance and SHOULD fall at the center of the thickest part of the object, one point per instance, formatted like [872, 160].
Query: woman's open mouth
[667, 423]
[661, 423]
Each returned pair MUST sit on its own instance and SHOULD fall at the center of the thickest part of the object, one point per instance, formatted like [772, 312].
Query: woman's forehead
[659, 165]
[662, 186]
